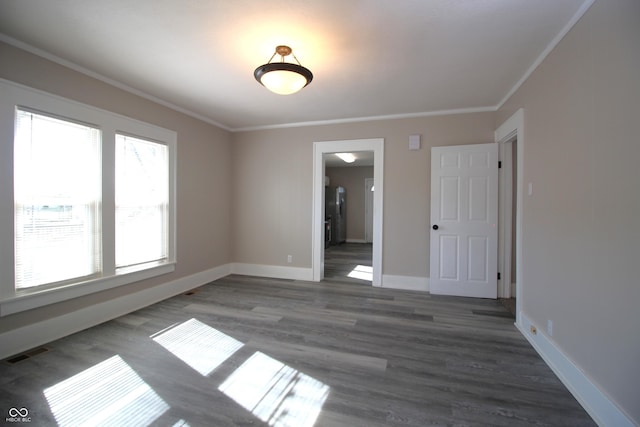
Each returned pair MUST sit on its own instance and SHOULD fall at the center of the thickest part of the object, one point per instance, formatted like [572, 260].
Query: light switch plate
[414, 142]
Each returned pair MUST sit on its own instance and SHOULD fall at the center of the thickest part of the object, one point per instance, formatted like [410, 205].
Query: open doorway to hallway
[348, 218]
[510, 136]
[508, 230]
[321, 153]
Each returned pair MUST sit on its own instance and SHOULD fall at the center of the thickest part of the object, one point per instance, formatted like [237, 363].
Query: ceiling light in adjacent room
[283, 78]
[347, 157]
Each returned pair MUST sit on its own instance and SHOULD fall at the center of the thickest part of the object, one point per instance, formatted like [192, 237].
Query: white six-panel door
[464, 215]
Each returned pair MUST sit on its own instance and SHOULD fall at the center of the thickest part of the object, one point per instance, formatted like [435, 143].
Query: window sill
[40, 298]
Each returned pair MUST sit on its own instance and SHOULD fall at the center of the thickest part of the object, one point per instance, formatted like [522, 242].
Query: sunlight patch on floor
[276, 393]
[109, 393]
[362, 272]
[198, 345]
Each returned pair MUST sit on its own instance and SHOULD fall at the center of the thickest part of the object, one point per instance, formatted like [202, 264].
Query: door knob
[435, 226]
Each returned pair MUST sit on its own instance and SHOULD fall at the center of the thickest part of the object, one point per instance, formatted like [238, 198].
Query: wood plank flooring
[342, 260]
[247, 351]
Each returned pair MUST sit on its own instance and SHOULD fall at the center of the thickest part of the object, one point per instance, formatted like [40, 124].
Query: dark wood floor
[246, 351]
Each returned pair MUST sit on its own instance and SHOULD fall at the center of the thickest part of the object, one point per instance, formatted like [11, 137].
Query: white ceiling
[370, 58]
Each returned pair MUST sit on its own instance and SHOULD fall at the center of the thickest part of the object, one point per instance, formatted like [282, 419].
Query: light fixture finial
[283, 50]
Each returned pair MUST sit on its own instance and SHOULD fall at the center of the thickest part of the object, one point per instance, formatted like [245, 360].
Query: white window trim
[14, 95]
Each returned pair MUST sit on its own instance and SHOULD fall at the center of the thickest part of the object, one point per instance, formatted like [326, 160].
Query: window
[142, 200]
[57, 200]
[87, 199]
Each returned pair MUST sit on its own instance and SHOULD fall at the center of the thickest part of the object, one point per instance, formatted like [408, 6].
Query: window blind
[57, 194]
[142, 201]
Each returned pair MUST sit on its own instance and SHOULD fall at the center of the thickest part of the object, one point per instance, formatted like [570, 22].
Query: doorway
[507, 230]
[318, 239]
[510, 136]
[348, 245]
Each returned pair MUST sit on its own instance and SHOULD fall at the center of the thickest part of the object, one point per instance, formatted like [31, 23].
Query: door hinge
[499, 164]
[499, 278]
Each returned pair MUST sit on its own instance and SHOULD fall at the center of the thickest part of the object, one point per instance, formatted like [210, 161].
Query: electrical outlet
[550, 327]
[534, 330]
[289, 259]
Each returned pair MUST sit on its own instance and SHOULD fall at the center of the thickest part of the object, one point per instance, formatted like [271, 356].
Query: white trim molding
[40, 333]
[272, 271]
[87, 72]
[487, 108]
[50, 296]
[584, 7]
[603, 411]
[407, 283]
[513, 127]
[363, 119]
[14, 95]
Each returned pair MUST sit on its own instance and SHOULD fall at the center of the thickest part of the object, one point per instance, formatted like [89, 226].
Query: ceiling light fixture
[347, 157]
[283, 78]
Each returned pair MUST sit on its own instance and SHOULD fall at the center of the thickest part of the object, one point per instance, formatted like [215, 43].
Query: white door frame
[368, 210]
[505, 216]
[512, 132]
[319, 150]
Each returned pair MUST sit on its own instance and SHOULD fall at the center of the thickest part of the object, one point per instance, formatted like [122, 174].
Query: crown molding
[552, 45]
[80, 69]
[368, 119]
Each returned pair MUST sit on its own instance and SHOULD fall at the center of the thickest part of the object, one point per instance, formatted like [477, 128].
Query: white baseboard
[407, 283]
[272, 271]
[37, 334]
[356, 241]
[603, 410]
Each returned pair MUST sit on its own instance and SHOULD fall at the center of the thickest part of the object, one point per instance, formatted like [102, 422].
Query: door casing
[325, 147]
[368, 209]
[512, 131]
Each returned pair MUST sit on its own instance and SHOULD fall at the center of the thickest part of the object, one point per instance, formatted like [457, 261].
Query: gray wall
[581, 232]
